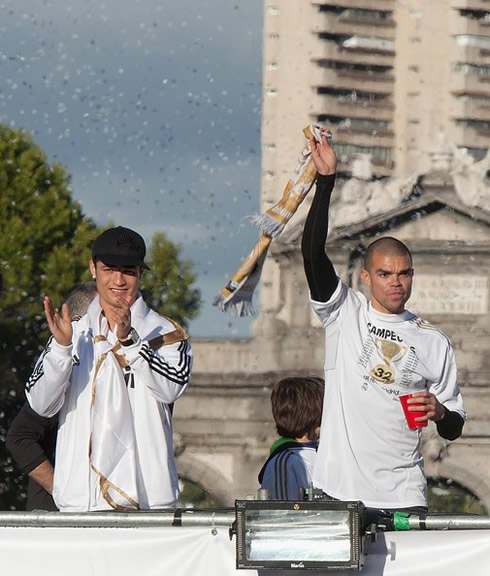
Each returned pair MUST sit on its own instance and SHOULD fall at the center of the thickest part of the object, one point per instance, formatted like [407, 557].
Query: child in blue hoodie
[297, 410]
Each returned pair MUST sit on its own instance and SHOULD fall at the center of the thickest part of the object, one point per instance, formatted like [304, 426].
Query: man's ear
[365, 278]
[91, 267]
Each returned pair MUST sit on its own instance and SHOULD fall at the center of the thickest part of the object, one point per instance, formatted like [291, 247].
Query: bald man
[376, 352]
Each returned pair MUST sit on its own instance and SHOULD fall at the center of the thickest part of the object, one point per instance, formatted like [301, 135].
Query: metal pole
[174, 517]
[188, 517]
[449, 522]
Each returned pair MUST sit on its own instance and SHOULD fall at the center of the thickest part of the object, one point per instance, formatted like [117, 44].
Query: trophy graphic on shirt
[391, 353]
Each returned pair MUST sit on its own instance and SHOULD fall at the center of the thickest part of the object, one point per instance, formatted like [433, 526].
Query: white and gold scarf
[236, 296]
[112, 448]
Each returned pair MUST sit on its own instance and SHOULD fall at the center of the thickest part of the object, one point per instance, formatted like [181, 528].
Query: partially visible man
[112, 376]
[375, 351]
[31, 439]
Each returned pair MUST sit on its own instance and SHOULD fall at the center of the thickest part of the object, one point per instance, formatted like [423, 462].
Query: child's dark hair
[297, 404]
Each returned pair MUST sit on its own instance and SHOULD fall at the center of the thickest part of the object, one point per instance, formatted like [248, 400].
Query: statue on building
[471, 179]
[361, 197]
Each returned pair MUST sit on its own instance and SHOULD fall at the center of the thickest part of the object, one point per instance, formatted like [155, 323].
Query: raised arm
[320, 273]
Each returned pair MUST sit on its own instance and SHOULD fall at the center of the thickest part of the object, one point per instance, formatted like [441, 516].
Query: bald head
[386, 246]
[79, 297]
[388, 274]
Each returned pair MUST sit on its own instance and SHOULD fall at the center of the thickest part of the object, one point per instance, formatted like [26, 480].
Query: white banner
[204, 551]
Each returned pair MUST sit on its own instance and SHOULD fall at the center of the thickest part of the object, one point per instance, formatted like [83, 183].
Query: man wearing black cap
[113, 376]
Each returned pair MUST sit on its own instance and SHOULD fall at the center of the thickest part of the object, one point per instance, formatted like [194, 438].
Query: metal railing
[449, 522]
[172, 517]
[204, 517]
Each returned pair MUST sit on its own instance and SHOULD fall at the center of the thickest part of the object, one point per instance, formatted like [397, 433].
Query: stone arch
[208, 477]
[478, 484]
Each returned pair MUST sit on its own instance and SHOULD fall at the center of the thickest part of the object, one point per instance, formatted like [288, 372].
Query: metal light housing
[311, 535]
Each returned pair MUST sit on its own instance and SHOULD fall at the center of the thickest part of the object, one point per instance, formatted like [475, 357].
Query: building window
[357, 124]
[378, 154]
[352, 96]
[471, 40]
[482, 16]
[475, 99]
[480, 125]
[365, 69]
[359, 14]
[472, 69]
[357, 42]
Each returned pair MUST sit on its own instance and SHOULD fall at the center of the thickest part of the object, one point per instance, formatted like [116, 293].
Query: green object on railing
[401, 521]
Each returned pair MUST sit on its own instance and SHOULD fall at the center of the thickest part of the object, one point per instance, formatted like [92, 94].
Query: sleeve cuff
[326, 178]
[131, 352]
[63, 351]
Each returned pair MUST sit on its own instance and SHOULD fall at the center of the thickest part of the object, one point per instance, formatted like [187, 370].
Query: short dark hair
[79, 297]
[388, 246]
[297, 404]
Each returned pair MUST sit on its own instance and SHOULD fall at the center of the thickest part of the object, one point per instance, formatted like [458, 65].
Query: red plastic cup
[410, 415]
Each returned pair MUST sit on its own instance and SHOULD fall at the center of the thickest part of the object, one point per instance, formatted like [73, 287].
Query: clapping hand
[59, 325]
[118, 315]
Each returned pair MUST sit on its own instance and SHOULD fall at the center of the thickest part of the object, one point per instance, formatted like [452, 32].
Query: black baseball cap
[120, 247]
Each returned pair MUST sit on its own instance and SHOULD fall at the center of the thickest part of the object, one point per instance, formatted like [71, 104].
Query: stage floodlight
[311, 535]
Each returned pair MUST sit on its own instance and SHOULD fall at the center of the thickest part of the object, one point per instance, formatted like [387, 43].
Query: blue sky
[154, 109]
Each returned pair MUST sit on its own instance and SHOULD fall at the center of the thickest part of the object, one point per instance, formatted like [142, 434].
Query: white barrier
[207, 550]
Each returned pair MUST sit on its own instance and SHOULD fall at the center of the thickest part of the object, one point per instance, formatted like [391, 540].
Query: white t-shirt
[367, 452]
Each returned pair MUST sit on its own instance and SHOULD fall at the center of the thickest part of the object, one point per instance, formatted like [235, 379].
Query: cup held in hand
[410, 415]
